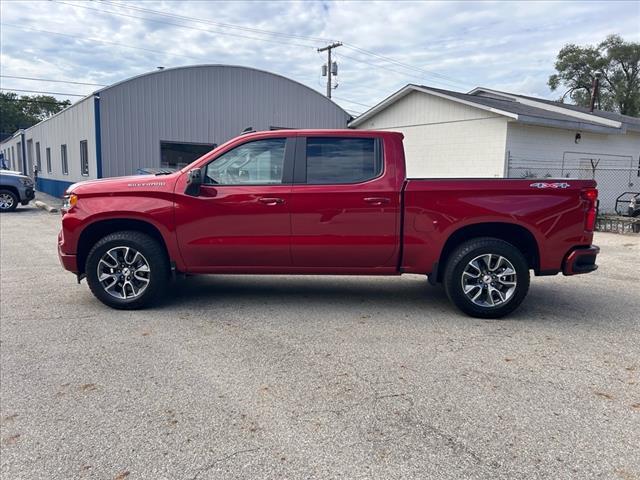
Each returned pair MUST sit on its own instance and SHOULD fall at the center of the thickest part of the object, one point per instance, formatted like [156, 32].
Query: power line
[342, 55]
[46, 93]
[102, 10]
[52, 80]
[351, 46]
[220, 24]
[28, 100]
[286, 35]
[96, 40]
[351, 101]
[105, 42]
[401, 64]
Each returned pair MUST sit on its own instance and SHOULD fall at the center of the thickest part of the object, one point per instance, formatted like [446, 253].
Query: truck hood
[131, 184]
[11, 172]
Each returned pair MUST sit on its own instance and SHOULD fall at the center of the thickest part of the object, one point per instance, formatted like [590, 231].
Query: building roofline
[551, 107]
[219, 65]
[184, 67]
[418, 88]
[25, 130]
[573, 119]
[14, 135]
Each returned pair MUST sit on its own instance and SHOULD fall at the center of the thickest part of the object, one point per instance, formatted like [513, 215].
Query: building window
[64, 160]
[341, 160]
[178, 155]
[19, 162]
[13, 158]
[38, 159]
[48, 155]
[84, 158]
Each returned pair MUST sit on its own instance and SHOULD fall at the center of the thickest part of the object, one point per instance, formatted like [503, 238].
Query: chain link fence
[615, 174]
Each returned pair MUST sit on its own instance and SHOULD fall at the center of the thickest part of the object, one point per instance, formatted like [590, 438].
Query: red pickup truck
[325, 202]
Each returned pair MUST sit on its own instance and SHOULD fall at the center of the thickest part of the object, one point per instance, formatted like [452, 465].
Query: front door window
[254, 163]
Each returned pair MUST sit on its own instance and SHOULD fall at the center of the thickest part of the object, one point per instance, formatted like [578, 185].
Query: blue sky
[454, 45]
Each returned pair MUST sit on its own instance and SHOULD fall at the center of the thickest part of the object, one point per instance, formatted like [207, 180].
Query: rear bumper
[580, 260]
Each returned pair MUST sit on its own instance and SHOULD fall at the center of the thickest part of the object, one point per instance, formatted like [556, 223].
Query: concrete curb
[46, 207]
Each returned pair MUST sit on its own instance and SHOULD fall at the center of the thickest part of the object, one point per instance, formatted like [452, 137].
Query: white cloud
[502, 45]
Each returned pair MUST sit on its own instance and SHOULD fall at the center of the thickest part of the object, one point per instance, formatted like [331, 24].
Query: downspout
[24, 154]
[96, 115]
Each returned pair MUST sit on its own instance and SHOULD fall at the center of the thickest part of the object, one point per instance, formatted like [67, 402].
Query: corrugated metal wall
[68, 127]
[201, 104]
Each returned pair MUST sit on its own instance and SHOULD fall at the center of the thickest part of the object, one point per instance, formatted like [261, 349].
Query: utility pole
[329, 66]
[595, 92]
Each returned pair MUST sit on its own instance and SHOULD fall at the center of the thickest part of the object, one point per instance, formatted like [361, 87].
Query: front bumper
[69, 262]
[580, 260]
[29, 194]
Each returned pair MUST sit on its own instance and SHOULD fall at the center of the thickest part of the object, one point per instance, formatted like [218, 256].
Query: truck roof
[342, 132]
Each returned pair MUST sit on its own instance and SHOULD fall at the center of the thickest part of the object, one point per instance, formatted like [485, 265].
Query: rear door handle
[271, 200]
[377, 200]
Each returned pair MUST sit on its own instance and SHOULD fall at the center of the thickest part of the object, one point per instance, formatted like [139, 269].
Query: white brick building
[487, 133]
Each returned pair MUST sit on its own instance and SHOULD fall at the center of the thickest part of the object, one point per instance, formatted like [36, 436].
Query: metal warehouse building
[165, 118]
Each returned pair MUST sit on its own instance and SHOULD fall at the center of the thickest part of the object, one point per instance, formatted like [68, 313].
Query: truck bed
[551, 211]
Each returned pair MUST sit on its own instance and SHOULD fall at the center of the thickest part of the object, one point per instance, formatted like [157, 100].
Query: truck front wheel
[127, 270]
[486, 277]
[8, 201]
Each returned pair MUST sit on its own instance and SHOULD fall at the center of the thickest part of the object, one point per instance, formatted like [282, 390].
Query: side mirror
[194, 180]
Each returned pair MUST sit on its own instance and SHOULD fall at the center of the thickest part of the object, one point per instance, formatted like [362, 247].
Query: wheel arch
[12, 189]
[101, 228]
[517, 235]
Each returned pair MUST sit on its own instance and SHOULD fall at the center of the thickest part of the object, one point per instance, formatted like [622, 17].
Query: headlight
[69, 201]
[27, 182]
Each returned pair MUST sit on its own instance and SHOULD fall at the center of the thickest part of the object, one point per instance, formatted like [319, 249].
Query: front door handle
[271, 200]
[377, 200]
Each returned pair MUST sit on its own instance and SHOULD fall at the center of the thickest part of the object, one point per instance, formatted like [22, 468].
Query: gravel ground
[314, 377]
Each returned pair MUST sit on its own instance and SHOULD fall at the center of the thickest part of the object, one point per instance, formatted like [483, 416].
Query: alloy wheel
[489, 280]
[124, 272]
[6, 201]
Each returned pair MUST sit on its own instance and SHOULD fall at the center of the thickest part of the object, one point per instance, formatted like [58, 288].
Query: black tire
[460, 260]
[8, 200]
[152, 253]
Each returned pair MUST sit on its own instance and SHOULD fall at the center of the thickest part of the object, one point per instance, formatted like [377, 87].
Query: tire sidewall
[467, 252]
[15, 201]
[153, 253]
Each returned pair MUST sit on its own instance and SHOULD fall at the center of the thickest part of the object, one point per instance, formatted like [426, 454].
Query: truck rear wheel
[127, 270]
[486, 277]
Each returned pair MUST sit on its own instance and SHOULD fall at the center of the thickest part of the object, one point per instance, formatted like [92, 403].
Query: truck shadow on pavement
[546, 302]
[292, 291]
[26, 211]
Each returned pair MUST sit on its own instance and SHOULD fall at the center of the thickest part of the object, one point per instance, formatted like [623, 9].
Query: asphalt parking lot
[314, 377]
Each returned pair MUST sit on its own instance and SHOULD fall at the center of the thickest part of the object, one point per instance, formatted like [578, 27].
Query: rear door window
[336, 160]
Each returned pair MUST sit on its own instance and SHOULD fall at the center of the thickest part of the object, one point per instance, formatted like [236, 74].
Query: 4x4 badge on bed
[550, 185]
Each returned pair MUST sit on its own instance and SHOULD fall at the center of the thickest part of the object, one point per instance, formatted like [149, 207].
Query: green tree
[23, 111]
[619, 63]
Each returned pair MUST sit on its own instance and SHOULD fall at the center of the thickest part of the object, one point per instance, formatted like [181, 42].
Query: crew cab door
[345, 205]
[240, 219]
